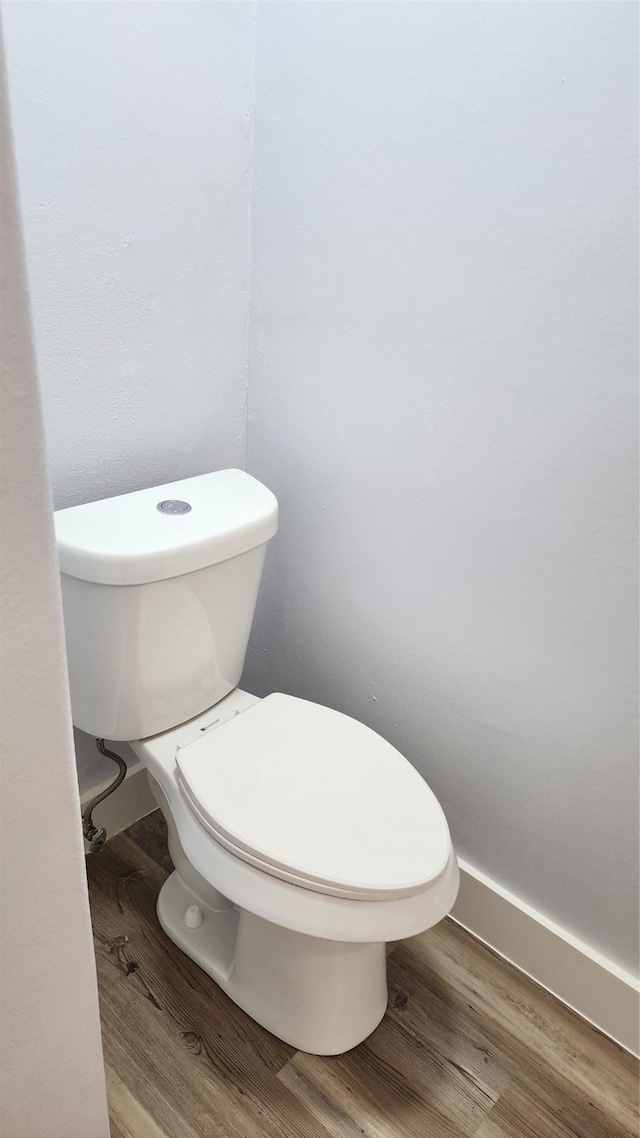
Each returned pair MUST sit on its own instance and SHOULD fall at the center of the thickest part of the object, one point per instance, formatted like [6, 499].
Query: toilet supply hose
[96, 836]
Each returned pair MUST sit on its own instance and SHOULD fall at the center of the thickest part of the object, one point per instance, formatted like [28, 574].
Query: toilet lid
[312, 796]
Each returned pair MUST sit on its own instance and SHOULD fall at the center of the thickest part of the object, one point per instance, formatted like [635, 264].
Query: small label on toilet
[208, 726]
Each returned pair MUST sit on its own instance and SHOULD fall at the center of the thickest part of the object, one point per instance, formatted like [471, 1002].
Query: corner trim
[579, 976]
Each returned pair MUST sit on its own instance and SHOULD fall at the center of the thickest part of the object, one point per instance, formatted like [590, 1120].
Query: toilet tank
[159, 589]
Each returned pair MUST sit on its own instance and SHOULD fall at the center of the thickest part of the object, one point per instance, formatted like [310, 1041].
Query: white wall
[51, 1070]
[132, 136]
[442, 396]
[442, 355]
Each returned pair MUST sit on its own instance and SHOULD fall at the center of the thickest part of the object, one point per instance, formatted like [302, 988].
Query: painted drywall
[442, 339]
[133, 144]
[442, 395]
[51, 1070]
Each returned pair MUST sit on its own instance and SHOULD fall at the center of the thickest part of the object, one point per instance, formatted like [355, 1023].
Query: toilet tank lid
[128, 540]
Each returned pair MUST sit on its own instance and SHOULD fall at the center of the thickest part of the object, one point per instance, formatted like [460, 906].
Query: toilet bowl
[304, 957]
[302, 841]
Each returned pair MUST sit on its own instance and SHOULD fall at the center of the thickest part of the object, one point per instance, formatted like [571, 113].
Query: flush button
[173, 506]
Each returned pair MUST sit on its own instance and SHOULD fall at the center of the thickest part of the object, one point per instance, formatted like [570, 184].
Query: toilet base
[320, 996]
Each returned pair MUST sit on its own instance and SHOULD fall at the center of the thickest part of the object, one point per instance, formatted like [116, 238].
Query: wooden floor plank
[541, 1040]
[179, 1027]
[469, 1048]
[373, 1097]
[523, 1112]
[127, 1116]
[428, 1011]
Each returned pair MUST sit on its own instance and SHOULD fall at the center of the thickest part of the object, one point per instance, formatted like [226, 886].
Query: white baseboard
[579, 976]
[585, 980]
[130, 802]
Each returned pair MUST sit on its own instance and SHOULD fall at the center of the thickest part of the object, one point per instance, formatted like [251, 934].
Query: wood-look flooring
[469, 1048]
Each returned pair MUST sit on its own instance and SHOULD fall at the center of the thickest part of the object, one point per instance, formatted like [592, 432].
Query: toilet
[302, 841]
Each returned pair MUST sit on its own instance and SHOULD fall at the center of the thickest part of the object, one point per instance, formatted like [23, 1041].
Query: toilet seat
[301, 910]
[317, 799]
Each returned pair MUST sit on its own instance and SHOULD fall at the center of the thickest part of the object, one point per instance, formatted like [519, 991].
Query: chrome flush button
[173, 506]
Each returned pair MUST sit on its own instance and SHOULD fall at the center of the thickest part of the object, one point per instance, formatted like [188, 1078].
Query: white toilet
[302, 841]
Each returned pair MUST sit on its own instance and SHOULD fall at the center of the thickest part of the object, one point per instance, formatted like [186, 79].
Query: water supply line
[96, 836]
